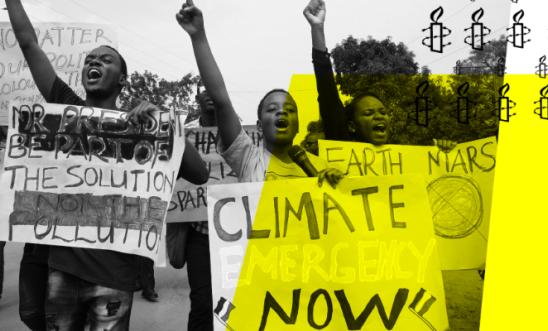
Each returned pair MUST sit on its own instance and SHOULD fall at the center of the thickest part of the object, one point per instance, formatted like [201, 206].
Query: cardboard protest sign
[65, 44]
[88, 177]
[459, 185]
[289, 255]
[189, 201]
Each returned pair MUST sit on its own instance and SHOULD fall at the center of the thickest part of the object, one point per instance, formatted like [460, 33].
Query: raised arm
[193, 167]
[331, 107]
[190, 18]
[315, 15]
[39, 65]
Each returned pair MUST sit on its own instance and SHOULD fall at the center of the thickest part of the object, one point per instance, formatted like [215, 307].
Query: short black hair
[350, 108]
[261, 103]
[315, 126]
[122, 61]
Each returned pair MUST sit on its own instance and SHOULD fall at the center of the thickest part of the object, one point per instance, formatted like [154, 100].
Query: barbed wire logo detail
[422, 105]
[457, 206]
[437, 32]
[478, 31]
[519, 31]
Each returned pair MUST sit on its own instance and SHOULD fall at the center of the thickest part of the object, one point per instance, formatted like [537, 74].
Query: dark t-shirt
[103, 267]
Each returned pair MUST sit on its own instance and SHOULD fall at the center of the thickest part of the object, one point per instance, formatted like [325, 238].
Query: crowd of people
[68, 288]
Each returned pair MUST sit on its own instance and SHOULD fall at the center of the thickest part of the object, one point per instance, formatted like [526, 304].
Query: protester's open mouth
[210, 105]
[281, 123]
[379, 128]
[94, 74]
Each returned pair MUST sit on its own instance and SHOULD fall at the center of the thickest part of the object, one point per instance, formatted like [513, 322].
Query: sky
[260, 44]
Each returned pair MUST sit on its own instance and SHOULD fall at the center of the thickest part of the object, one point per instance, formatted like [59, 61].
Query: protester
[315, 133]
[199, 277]
[88, 287]
[277, 118]
[366, 117]
[197, 245]
[2, 245]
[207, 108]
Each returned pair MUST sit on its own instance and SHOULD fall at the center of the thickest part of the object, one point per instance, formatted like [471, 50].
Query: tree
[490, 60]
[162, 93]
[389, 70]
[485, 76]
[363, 64]
[373, 57]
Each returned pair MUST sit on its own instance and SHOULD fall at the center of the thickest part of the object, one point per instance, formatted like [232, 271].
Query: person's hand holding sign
[190, 18]
[143, 113]
[332, 175]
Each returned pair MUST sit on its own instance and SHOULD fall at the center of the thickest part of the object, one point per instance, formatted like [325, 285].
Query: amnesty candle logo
[477, 31]
[437, 32]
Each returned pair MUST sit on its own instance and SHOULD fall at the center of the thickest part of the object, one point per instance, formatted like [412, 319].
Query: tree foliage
[161, 92]
[490, 59]
[389, 70]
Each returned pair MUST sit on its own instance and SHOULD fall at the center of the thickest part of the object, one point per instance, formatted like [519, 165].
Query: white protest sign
[88, 177]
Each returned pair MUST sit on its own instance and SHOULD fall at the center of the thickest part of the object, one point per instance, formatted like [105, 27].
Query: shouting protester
[365, 118]
[277, 119]
[87, 287]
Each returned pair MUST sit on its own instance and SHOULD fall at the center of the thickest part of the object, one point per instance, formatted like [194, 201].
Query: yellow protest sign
[289, 255]
[459, 185]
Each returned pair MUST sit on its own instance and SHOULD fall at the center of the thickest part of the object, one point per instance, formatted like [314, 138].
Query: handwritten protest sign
[189, 201]
[459, 184]
[66, 45]
[85, 177]
[289, 255]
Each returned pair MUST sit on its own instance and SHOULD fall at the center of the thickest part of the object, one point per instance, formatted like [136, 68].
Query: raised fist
[315, 12]
[190, 18]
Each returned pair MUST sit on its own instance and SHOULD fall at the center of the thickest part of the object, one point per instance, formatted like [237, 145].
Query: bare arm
[193, 168]
[191, 20]
[39, 65]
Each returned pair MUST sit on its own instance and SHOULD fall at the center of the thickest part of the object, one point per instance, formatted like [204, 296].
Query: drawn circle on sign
[457, 206]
